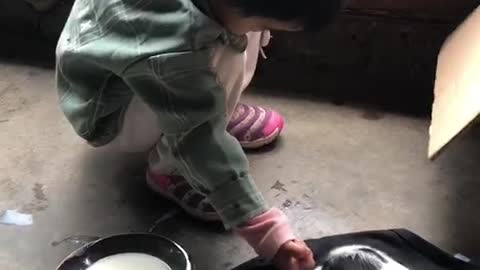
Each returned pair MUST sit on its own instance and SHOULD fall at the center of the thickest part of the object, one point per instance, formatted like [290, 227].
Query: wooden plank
[457, 85]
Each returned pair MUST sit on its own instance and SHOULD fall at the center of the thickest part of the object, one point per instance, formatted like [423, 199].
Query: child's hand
[271, 236]
[294, 255]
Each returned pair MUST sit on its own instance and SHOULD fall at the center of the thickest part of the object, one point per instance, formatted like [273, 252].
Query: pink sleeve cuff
[267, 232]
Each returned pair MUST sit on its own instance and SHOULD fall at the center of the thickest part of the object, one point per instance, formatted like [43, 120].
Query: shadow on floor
[372, 100]
[455, 167]
[123, 175]
[111, 191]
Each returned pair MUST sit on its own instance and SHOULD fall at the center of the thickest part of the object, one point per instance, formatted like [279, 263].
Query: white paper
[13, 217]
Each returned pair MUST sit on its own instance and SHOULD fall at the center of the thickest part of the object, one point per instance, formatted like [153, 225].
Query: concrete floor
[336, 169]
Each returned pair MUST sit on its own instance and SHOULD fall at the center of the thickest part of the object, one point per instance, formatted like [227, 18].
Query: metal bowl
[154, 245]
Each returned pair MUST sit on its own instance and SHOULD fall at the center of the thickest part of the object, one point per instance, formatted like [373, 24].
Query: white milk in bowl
[130, 261]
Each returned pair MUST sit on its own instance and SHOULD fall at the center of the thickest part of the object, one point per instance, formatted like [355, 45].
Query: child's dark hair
[310, 14]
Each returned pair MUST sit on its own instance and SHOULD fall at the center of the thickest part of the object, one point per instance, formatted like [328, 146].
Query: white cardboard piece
[457, 85]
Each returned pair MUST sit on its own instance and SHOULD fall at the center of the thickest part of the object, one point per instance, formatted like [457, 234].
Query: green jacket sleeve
[190, 106]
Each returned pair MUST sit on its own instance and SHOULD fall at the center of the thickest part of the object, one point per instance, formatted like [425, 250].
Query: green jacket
[159, 50]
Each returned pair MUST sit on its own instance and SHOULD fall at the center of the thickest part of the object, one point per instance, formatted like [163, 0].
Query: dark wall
[32, 34]
[387, 62]
[379, 52]
[441, 8]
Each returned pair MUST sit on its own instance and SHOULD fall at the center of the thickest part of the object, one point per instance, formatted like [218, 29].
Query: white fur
[355, 250]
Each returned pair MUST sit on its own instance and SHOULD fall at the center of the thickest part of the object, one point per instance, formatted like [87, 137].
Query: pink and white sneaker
[179, 191]
[254, 126]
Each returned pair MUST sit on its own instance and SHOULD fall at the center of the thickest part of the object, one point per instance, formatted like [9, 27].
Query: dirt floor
[336, 169]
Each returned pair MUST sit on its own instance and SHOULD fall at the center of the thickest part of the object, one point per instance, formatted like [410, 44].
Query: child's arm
[267, 232]
[190, 106]
[271, 237]
[191, 111]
